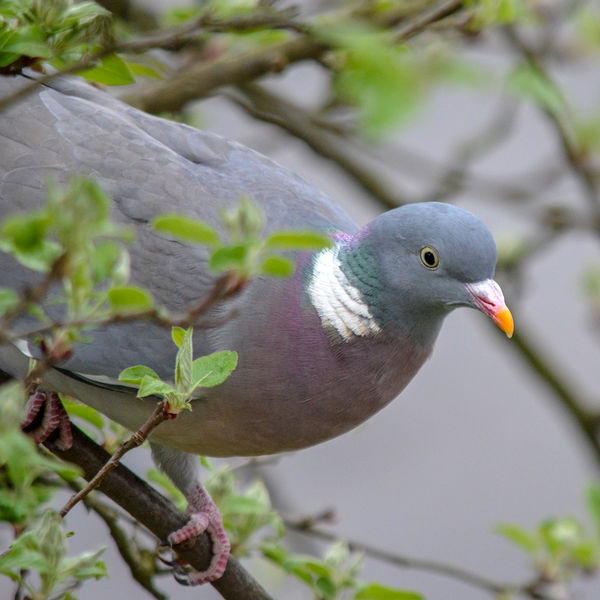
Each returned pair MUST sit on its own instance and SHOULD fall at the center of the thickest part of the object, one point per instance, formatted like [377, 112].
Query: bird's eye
[429, 257]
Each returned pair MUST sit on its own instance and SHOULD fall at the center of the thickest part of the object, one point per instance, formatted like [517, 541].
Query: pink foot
[46, 417]
[204, 516]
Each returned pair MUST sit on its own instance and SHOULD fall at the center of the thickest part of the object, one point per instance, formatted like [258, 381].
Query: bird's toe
[46, 418]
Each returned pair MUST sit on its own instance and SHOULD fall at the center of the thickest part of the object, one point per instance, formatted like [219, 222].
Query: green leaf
[87, 413]
[8, 300]
[326, 586]
[135, 374]
[376, 591]
[520, 537]
[150, 386]
[585, 554]
[129, 299]
[112, 70]
[277, 266]
[531, 83]
[29, 41]
[187, 229]
[163, 481]
[297, 240]
[211, 370]
[242, 505]
[143, 70]
[384, 80]
[103, 260]
[228, 258]
[178, 333]
[183, 362]
[26, 233]
[592, 497]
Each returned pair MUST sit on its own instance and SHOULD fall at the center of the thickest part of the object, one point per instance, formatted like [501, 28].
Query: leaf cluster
[190, 374]
[333, 576]
[73, 242]
[247, 252]
[560, 548]
[44, 550]
[55, 31]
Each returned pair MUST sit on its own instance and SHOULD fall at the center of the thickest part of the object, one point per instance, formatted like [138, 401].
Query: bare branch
[154, 511]
[586, 421]
[576, 160]
[269, 107]
[127, 548]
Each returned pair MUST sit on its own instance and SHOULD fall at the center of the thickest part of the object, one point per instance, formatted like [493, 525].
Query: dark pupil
[429, 258]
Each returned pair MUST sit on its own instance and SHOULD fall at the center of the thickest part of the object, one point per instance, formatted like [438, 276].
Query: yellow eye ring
[429, 257]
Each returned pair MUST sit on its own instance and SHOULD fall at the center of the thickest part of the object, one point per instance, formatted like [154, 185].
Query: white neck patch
[338, 302]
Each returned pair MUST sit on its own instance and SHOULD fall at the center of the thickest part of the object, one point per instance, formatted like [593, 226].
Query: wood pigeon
[319, 352]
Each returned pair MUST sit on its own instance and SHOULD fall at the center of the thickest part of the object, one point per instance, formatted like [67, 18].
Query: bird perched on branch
[319, 352]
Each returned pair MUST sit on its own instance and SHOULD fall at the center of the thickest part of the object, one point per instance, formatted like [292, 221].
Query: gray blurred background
[476, 439]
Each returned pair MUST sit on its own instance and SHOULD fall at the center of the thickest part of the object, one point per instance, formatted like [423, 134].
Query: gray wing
[148, 166]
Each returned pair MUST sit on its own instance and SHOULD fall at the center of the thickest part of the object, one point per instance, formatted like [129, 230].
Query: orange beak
[488, 298]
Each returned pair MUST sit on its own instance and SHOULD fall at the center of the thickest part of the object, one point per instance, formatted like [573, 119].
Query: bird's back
[148, 166]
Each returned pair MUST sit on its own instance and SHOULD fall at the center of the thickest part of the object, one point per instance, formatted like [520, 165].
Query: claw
[204, 516]
[46, 418]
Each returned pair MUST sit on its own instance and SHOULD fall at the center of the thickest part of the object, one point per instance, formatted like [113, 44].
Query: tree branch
[136, 439]
[141, 570]
[156, 513]
[530, 590]
[271, 108]
[586, 421]
[573, 155]
[199, 79]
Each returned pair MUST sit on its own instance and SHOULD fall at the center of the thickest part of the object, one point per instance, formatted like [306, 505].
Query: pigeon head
[407, 269]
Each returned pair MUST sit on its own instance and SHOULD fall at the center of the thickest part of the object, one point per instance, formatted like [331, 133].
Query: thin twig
[225, 286]
[159, 415]
[271, 108]
[585, 420]
[166, 40]
[139, 568]
[580, 168]
[307, 526]
[429, 16]
[199, 80]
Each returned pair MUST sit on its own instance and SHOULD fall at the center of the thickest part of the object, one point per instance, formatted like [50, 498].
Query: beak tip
[504, 320]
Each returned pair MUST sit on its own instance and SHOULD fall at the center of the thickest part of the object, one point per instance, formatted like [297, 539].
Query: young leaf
[376, 591]
[242, 505]
[183, 362]
[592, 496]
[177, 334]
[129, 299]
[227, 258]
[143, 70]
[297, 240]
[277, 266]
[211, 370]
[8, 300]
[163, 481]
[532, 83]
[135, 374]
[520, 537]
[150, 386]
[112, 70]
[187, 229]
[87, 413]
